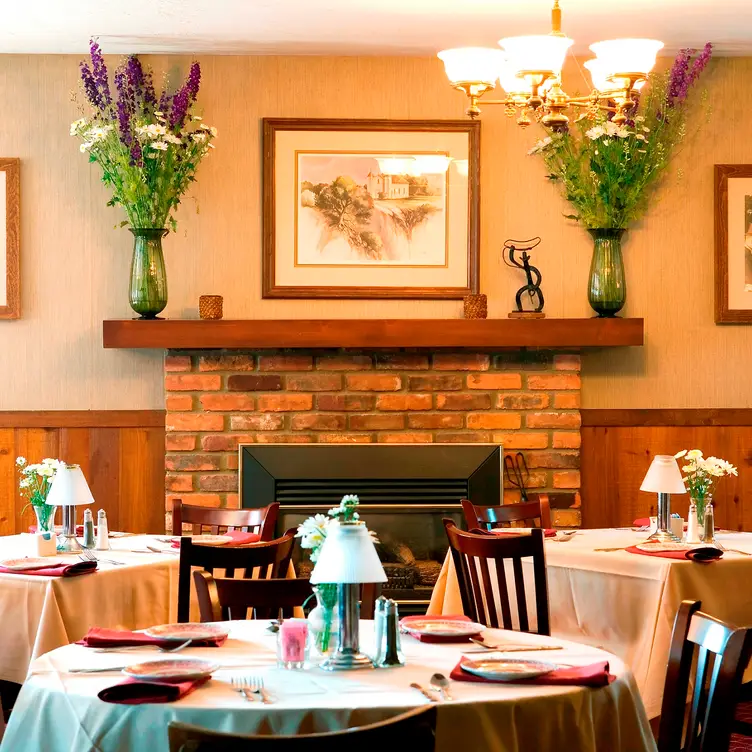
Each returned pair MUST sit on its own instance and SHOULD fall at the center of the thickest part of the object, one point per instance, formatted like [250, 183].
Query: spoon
[441, 684]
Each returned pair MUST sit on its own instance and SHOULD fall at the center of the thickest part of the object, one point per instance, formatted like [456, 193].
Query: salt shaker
[693, 526]
[88, 529]
[391, 655]
[103, 539]
[709, 532]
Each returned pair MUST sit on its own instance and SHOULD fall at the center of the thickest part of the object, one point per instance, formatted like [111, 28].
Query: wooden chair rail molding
[373, 333]
[120, 451]
[618, 445]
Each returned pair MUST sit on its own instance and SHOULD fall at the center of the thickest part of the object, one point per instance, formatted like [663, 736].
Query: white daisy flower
[160, 145]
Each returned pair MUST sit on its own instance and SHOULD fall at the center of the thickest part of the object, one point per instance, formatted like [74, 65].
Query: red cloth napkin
[405, 626]
[239, 538]
[702, 555]
[57, 570]
[594, 675]
[137, 692]
[548, 532]
[97, 637]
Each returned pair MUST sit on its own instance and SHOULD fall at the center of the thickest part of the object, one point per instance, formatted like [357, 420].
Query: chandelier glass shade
[528, 69]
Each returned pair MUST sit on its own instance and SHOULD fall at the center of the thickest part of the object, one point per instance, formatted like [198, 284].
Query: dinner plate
[188, 631]
[22, 565]
[667, 546]
[507, 669]
[176, 670]
[443, 627]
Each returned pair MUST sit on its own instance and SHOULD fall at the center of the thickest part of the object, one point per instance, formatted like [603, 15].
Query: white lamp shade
[512, 83]
[430, 164]
[627, 55]
[348, 556]
[462, 166]
[69, 488]
[396, 165]
[663, 476]
[544, 53]
[472, 64]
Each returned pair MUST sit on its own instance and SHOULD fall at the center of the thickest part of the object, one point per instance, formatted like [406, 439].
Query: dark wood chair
[215, 521]
[225, 599]
[270, 559]
[473, 553]
[414, 731]
[714, 675]
[529, 512]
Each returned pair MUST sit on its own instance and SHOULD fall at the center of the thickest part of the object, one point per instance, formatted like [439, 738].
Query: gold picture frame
[10, 249]
[338, 223]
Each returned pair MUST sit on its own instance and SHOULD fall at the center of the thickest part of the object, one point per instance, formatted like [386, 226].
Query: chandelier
[528, 69]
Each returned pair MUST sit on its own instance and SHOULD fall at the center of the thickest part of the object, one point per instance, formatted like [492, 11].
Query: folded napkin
[239, 538]
[594, 675]
[62, 569]
[97, 637]
[702, 555]
[137, 692]
[548, 532]
[405, 626]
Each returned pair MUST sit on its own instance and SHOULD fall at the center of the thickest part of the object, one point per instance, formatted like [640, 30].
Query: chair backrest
[270, 559]
[225, 598]
[479, 560]
[215, 521]
[722, 653]
[529, 512]
[414, 730]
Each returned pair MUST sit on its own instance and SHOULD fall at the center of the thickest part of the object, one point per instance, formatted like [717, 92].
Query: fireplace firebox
[405, 490]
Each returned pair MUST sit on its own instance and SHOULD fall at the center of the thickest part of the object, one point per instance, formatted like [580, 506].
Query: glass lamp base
[68, 544]
[343, 661]
[663, 536]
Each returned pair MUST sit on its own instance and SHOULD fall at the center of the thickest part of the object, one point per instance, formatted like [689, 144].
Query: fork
[241, 684]
[256, 686]
[87, 555]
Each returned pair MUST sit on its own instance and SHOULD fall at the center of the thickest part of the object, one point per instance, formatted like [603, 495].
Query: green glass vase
[607, 287]
[148, 291]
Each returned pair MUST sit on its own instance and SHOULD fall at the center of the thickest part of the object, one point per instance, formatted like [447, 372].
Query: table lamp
[348, 558]
[69, 490]
[664, 478]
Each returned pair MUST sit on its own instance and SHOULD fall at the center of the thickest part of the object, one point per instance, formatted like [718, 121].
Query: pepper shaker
[709, 531]
[379, 626]
[392, 654]
[88, 529]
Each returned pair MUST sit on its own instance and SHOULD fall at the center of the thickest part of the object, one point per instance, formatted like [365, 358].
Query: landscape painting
[367, 210]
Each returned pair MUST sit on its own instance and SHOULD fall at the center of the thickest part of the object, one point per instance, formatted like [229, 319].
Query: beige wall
[75, 265]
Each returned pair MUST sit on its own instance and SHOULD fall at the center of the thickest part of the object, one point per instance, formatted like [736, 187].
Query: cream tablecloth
[59, 712]
[626, 603]
[42, 613]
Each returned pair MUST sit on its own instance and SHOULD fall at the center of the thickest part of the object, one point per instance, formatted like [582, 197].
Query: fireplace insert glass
[405, 490]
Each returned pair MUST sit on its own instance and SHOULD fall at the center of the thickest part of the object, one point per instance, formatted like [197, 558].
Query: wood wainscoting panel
[618, 446]
[121, 452]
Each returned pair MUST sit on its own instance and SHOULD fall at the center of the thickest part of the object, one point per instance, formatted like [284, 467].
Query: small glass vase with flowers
[699, 475]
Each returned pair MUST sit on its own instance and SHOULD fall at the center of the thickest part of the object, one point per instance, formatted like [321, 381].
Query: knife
[423, 691]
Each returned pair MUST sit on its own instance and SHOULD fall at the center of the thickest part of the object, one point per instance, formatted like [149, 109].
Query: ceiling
[348, 27]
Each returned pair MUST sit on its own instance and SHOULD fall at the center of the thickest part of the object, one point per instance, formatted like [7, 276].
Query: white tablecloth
[42, 613]
[626, 603]
[59, 712]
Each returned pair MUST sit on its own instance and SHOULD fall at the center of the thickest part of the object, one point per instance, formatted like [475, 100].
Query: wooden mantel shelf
[176, 334]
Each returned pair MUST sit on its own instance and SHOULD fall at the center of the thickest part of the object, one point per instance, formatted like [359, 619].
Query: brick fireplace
[215, 400]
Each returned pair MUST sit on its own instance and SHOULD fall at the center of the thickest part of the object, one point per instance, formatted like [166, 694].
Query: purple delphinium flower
[678, 75]
[700, 63]
[185, 97]
[125, 105]
[99, 71]
[90, 87]
[136, 154]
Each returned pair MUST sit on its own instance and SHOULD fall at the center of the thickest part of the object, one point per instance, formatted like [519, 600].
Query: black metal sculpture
[533, 275]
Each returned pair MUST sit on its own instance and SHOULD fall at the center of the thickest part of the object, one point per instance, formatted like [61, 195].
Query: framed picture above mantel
[10, 225]
[733, 244]
[371, 208]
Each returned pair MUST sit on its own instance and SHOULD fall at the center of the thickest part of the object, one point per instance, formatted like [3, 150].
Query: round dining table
[59, 711]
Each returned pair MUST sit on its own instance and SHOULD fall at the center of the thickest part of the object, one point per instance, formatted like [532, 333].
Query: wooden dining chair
[486, 518]
[709, 657]
[216, 521]
[271, 559]
[479, 561]
[226, 599]
[414, 731]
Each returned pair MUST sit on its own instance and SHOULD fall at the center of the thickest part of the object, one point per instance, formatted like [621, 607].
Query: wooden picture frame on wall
[10, 247]
[733, 244]
[371, 208]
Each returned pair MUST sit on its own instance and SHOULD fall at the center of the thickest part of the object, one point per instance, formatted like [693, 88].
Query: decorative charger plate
[188, 631]
[443, 627]
[175, 670]
[22, 565]
[209, 540]
[668, 546]
[507, 669]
